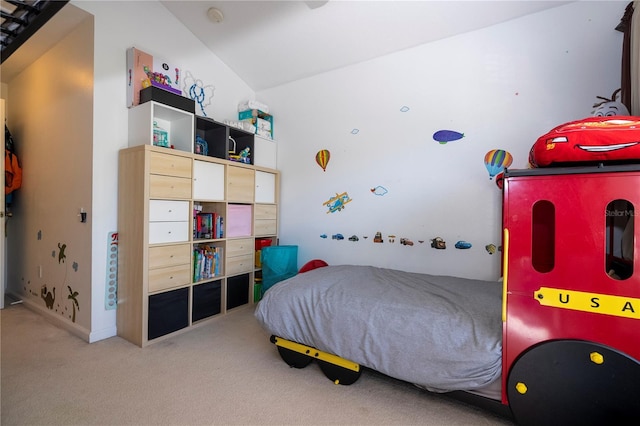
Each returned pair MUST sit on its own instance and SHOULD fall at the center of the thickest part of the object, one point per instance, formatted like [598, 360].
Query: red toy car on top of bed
[590, 140]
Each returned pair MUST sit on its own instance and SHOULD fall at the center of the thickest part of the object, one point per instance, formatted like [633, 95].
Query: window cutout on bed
[543, 236]
[619, 238]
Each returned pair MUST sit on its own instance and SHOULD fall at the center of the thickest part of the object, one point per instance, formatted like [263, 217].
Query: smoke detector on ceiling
[314, 4]
[215, 15]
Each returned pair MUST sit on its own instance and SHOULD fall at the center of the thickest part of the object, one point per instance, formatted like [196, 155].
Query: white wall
[502, 87]
[148, 26]
[49, 113]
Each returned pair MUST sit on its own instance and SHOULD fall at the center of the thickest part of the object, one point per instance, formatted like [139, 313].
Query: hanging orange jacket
[12, 172]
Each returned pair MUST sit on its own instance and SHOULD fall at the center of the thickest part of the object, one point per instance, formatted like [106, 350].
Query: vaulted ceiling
[269, 43]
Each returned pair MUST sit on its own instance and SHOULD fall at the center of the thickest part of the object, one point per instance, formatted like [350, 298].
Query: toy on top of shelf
[590, 140]
[156, 77]
[243, 157]
[609, 107]
[163, 76]
[160, 136]
[143, 70]
[202, 147]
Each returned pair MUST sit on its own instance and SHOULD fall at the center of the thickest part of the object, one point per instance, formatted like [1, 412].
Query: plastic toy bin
[260, 244]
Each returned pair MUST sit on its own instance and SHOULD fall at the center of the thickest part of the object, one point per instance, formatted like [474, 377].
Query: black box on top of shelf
[206, 300]
[168, 312]
[165, 97]
[237, 291]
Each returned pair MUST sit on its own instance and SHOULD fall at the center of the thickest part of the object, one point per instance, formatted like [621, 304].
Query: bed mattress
[439, 332]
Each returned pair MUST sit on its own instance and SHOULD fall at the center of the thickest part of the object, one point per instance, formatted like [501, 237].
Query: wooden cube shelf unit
[187, 225]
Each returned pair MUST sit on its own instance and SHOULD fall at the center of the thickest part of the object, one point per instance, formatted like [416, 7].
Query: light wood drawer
[169, 165]
[163, 256]
[240, 247]
[161, 186]
[170, 277]
[265, 227]
[166, 211]
[239, 264]
[240, 184]
[265, 211]
[168, 232]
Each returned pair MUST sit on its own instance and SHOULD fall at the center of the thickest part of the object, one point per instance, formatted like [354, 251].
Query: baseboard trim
[96, 336]
[72, 328]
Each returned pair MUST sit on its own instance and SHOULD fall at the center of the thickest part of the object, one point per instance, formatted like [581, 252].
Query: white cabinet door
[208, 181]
[265, 152]
[265, 187]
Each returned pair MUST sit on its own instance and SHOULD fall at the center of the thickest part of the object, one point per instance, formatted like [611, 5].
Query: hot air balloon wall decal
[322, 158]
[496, 161]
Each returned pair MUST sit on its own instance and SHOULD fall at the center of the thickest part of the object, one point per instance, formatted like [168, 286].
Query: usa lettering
[565, 299]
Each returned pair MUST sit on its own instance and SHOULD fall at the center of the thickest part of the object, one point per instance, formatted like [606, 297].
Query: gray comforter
[442, 333]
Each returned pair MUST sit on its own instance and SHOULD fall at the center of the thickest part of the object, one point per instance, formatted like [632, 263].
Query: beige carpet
[226, 372]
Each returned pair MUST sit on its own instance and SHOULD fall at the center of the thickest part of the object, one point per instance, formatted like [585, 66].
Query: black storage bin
[168, 312]
[237, 291]
[206, 300]
[157, 94]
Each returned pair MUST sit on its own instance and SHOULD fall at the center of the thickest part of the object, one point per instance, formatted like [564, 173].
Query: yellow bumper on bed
[317, 354]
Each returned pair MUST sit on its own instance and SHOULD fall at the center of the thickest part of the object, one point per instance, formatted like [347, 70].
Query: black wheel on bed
[339, 375]
[571, 382]
[294, 359]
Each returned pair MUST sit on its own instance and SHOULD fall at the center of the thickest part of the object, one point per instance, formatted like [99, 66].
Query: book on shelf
[208, 226]
[197, 208]
[207, 262]
[219, 229]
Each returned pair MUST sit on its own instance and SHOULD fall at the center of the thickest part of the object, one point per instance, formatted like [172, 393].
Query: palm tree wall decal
[73, 296]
